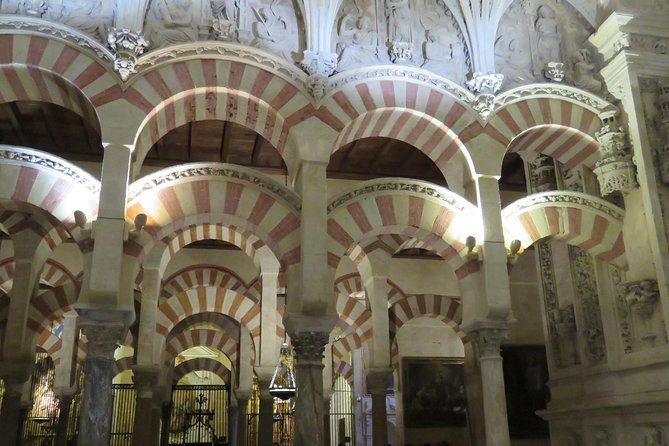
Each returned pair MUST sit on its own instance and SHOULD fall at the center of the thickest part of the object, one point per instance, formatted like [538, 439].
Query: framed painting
[434, 393]
[525, 378]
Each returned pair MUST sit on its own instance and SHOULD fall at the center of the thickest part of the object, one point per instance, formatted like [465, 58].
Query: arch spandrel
[581, 220]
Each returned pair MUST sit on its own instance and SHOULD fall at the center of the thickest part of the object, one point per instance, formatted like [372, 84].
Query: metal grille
[73, 418]
[39, 428]
[123, 414]
[342, 418]
[184, 408]
[253, 412]
[283, 428]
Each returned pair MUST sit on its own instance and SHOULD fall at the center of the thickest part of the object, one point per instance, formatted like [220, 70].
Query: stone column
[96, 407]
[377, 384]
[146, 429]
[487, 341]
[309, 346]
[233, 414]
[326, 420]
[242, 417]
[265, 415]
[65, 403]
[10, 414]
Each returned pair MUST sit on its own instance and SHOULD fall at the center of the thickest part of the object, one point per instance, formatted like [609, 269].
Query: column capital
[489, 338]
[16, 373]
[309, 345]
[378, 379]
[102, 338]
[146, 380]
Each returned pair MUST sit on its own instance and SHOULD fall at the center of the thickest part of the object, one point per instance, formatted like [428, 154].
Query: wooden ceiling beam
[226, 137]
[380, 151]
[15, 118]
[54, 133]
[255, 153]
[345, 156]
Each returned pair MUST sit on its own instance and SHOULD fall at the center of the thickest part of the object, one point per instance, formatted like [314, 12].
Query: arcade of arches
[452, 212]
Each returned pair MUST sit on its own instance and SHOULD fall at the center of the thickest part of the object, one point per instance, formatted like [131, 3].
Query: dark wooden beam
[15, 118]
[345, 156]
[222, 147]
[190, 141]
[381, 151]
[93, 140]
[54, 133]
[255, 153]
[225, 143]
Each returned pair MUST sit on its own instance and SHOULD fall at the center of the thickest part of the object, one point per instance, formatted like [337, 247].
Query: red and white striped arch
[570, 146]
[581, 220]
[444, 308]
[50, 306]
[354, 317]
[211, 320]
[208, 300]
[423, 116]
[342, 368]
[347, 344]
[51, 344]
[201, 364]
[410, 208]
[203, 275]
[204, 193]
[186, 91]
[201, 337]
[43, 68]
[56, 274]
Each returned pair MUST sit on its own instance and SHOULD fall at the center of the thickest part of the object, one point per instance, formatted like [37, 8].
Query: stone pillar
[487, 341]
[10, 413]
[233, 413]
[309, 346]
[242, 417]
[377, 384]
[146, 429]
[96, 407]
[326, 420]
[265, 415]
[65, 403]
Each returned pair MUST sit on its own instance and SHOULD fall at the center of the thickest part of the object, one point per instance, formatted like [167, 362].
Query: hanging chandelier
[283, 383]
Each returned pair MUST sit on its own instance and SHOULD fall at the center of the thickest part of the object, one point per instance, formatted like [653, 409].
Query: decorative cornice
[14, 24]
[589, 100]
[20, 155]
[178, 174]
[414, 186]
[564, 197]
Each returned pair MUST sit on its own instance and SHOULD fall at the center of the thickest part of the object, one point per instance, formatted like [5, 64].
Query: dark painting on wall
[525, 378]
[434, 393]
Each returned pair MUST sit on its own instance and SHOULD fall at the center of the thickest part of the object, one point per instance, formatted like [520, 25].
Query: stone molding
[389, 185]
[309, 346]
[30, 157]
[564, 197]
[178, 174]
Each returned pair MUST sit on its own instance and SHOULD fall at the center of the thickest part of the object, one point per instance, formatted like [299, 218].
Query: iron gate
[185, 410]
[123, 414]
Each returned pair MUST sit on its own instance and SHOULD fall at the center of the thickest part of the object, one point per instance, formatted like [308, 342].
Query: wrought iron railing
[123, 414]
[185, 410]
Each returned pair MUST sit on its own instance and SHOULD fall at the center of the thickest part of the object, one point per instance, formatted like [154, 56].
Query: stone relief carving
[624, 317]
[170, 22]
[513, 47]
[309, 346]
[548, 35]
[642, 296]
[400, 30]
[584, 72]
[655, 436]
[225, 21]
[275, 27]
[357, 43]
[585, 285]
[543, 174]
[662, 129]
[127, 46]
[570, 179]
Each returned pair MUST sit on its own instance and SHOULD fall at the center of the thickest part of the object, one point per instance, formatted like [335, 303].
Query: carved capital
[489, 340]
[103, 339]
[126, 46]
[378, 379]
[615, 169]
[309, 346]
[321, 64]
[481, 83]
[641, 296]
[401, 52]
[145, 380]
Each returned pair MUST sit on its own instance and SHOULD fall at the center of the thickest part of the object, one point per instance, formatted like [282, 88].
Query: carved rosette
[554, 71]
[615, 169]
[642, 296]
[102, 339]
[309, 346]
[127, 46]
[489, 340]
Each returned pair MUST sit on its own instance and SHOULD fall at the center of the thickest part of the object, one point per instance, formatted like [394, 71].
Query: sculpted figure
[170, 22]
[584, 69]
[271, 30]
[548, 34]
[92, 17]
[361, 49]
[444, 53]
[399, 20]
[226, 18]
[517, 66]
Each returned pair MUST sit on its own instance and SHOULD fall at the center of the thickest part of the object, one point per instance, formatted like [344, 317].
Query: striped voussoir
[201, 364]
[204, 275]
[444, 308]
[408, 211]
[56, 274]
[6, 274]
[425, 117]
[206, 300]
[216, 321]
[354, 314]
[214, 339]
[123, 364]
[50, 344]
[37, 68]
[205, 199]
[187, 91]
[347, 344]
[50, 306]
[581, 220]
[570, 146]
[351, 284]
[342, 368]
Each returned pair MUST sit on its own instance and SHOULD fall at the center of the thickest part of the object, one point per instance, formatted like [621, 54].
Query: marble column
[326, 420]
[96, 407]
[233, 414]
[487, 342]
[377, 385]
[146, 429]
[64, 404]
[309, 348]
[10, 413]
[242, 419]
